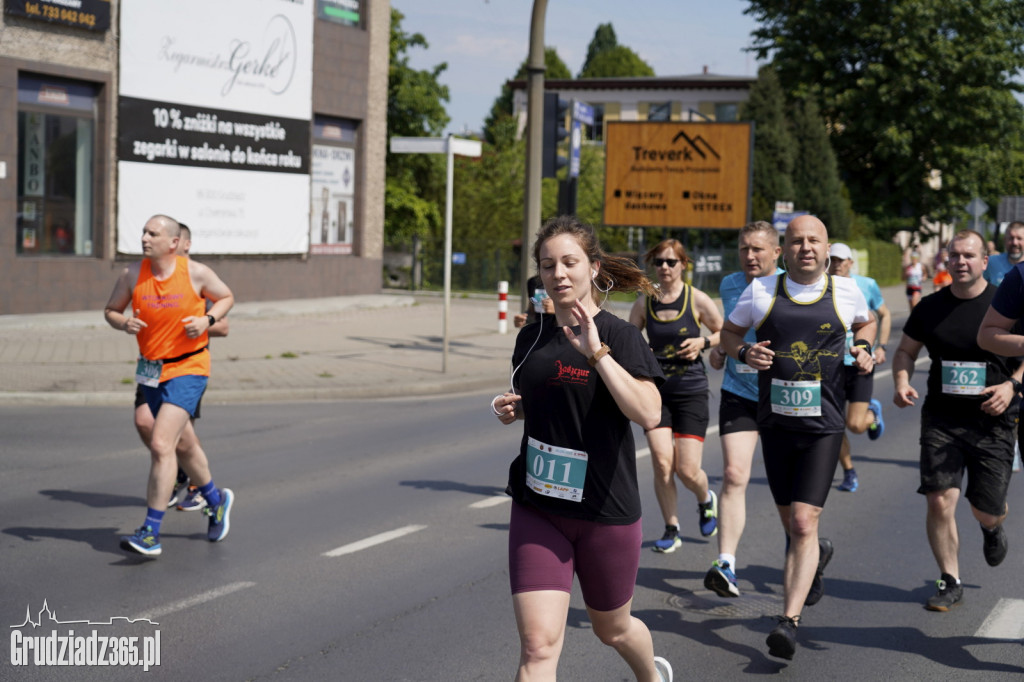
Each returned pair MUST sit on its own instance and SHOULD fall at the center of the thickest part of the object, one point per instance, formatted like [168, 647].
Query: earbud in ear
[593, 274]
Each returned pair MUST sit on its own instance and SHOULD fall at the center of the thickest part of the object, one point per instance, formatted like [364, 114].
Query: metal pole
[448, 250]
[534, 143]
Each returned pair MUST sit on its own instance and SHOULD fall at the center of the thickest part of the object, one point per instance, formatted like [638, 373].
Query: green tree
[414, 182]
[617, 62]
[774, 147]
[907, 86]
[604, 39]
[816, 184]
[499, 126]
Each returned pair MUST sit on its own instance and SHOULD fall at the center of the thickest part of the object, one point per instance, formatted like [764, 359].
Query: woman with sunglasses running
[673, 320]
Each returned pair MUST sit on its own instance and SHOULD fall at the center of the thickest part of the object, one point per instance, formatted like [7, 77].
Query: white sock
[729, 559]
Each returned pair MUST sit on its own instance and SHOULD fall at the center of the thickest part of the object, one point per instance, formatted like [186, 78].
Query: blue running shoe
[708, 518]
[849, 484]
[144, 542]
[220, 516]
[721, 580]
[876, 430]
[669, 542]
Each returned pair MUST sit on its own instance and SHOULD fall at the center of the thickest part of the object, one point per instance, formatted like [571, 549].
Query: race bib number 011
[555, 472]
[796, 398]
[963, 378]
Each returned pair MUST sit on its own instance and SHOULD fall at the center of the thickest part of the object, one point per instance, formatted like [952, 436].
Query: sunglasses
[671, 262]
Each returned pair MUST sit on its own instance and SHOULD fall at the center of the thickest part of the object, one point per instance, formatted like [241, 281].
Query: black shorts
[913, 290]
[140, 400]
[986, 454]
[685, 412]
[736, 414]
[800, 464]
[858, 386]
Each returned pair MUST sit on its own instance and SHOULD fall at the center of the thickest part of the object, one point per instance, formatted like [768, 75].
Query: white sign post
[450, 146]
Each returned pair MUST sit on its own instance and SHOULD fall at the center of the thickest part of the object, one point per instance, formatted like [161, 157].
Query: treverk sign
[678, 174]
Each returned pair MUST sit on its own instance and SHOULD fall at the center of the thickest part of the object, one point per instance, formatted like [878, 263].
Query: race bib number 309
[555, 472]
[796, 398]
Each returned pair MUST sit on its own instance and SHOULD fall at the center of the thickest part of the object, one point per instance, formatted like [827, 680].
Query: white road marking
[374, 540]
[1005, 621]
[196, 600]
[492, 501]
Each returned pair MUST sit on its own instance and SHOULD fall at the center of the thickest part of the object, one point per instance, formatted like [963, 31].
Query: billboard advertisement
[678, 174]
[214, 109]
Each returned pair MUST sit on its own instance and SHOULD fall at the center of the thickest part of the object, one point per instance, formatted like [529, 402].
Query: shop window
[56, 166]
[332, 225]
[595, 132]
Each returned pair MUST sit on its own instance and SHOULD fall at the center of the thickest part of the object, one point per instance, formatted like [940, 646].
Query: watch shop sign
[93, 15]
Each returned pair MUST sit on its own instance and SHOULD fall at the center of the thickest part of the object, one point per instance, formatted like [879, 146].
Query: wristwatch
[212, 319]
[707, 342]
[1017, 386]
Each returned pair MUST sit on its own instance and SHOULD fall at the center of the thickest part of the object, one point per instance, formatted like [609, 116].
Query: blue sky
[484, 41]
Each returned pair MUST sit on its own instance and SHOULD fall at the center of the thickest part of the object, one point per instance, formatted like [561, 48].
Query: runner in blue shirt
[737, 411]
[863, 413]
[1013, 247]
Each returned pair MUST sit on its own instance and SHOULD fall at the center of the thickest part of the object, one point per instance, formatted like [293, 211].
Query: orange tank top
[162, 305]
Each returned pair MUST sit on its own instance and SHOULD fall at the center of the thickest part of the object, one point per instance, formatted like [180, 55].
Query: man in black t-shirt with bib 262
[968, 420]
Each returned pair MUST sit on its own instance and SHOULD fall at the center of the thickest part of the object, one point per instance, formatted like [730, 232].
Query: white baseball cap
[841, 251]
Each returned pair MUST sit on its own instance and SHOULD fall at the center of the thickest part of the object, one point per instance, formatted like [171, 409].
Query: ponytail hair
[615, 274]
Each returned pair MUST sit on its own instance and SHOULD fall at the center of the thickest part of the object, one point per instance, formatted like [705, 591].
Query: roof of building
[698, 81]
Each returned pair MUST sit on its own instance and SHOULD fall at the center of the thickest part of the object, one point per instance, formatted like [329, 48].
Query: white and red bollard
[503, 307]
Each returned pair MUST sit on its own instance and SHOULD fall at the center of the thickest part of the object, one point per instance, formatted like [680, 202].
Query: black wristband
[707, 342]
[1017, 386]
[211, 319]
[863, 344]
[741, 355]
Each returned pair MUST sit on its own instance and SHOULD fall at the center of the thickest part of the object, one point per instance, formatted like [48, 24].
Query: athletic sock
[211, 494]
[154, 517]
[729, 559]
[707, 501]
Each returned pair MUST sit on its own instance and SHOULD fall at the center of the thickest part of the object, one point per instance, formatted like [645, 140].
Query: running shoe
[782, 640]
[876, 430]
[721, 580]
[220, 516]
[850, 482]
[145, 542]
[949, 594]
[193, 500]
[817, 591]
[664, 669]
[669, 542]
[180, 486]
[996, 545]
[708, 515]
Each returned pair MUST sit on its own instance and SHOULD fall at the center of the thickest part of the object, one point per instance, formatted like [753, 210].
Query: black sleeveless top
[809, 340]
[665, 337]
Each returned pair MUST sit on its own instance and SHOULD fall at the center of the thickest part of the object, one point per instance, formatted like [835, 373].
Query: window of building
[56, 166]
[347, 12]
[659, 111]
[727, 112]
[595, 133]
[332, 222]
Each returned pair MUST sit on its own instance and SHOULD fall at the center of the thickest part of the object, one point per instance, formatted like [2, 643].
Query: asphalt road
[307, 587]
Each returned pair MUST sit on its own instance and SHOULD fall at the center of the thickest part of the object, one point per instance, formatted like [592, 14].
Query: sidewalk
[347, 347]
[386, 345]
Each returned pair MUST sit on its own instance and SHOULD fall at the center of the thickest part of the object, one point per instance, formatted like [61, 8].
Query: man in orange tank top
[170, 322]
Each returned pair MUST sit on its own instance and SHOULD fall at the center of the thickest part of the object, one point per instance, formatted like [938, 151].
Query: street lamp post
[534, 142]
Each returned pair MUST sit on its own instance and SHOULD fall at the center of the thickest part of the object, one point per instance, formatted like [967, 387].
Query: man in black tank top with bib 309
[801, 317]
